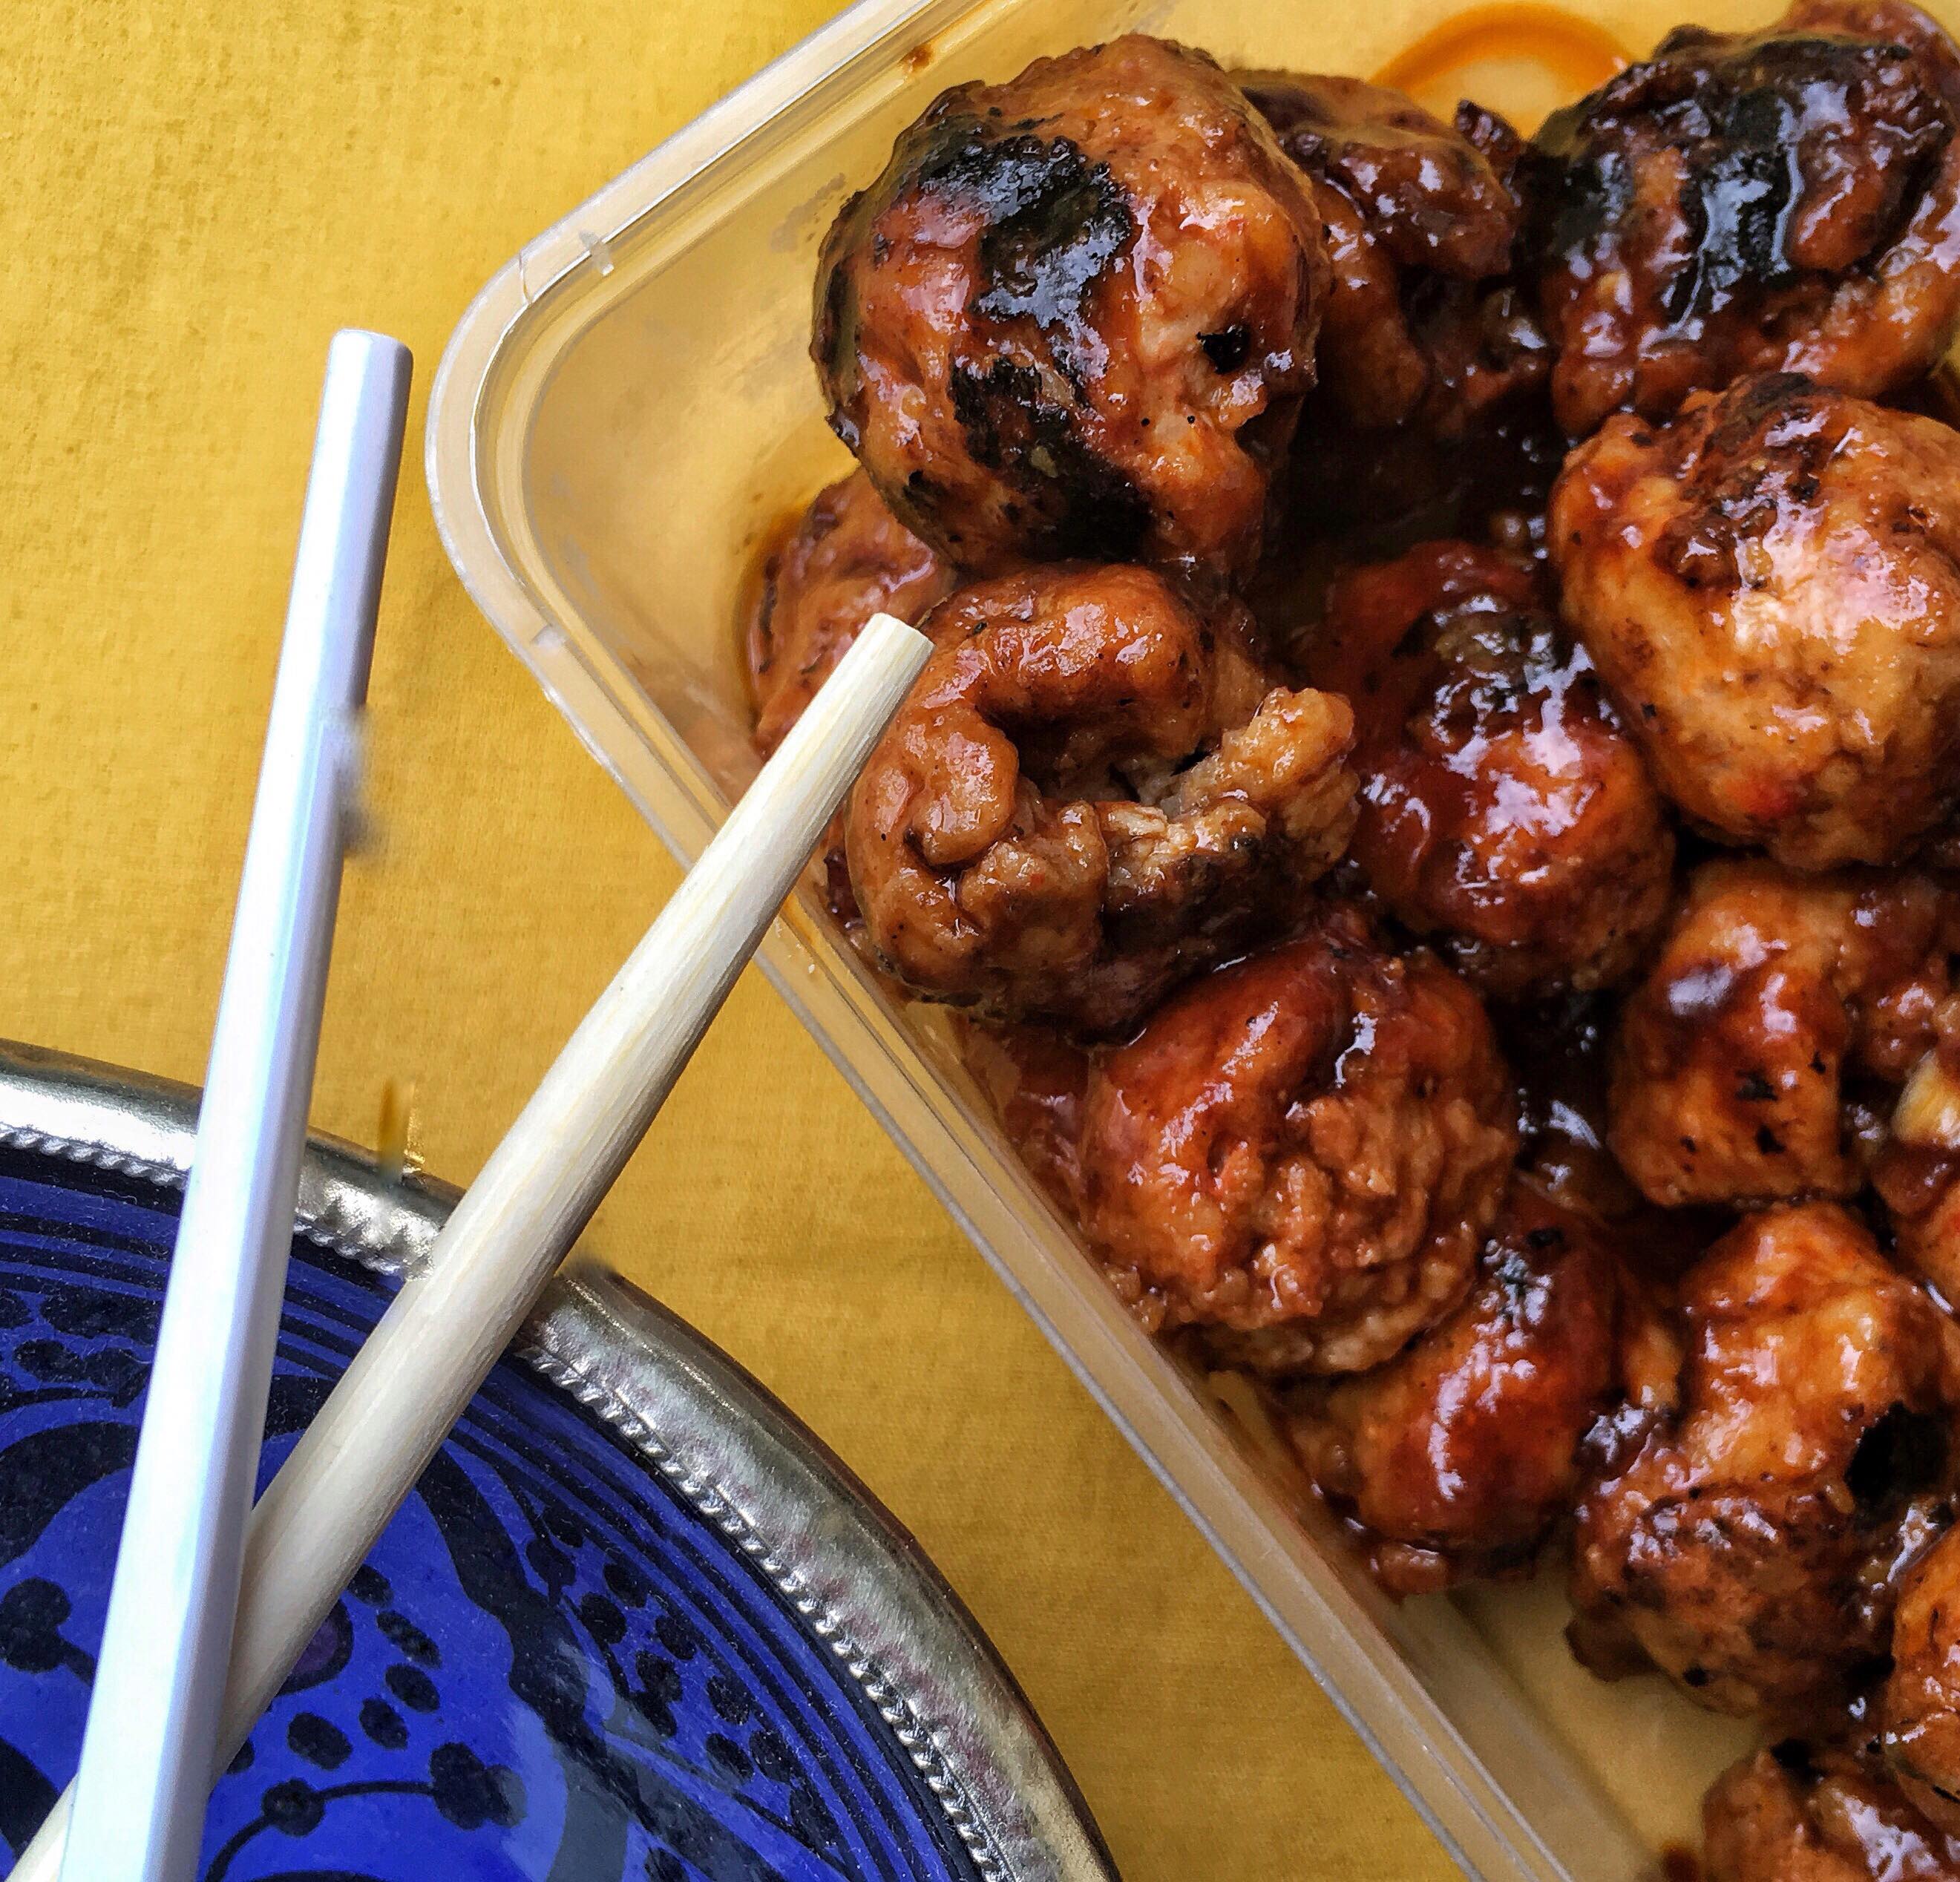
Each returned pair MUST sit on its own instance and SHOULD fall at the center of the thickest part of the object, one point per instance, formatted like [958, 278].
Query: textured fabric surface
[198, 193]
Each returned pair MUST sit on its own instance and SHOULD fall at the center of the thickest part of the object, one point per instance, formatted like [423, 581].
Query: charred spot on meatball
[1076, 316]
[1014, 429]
[1055, 221]
[1770, 588]
[1505, 813]
[1298, 1156]
[1738, 203]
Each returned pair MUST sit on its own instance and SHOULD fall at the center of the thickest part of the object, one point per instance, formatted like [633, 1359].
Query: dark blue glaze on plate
[555, 1665]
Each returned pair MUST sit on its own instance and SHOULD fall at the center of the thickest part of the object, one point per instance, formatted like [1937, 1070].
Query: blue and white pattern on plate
[553, 1666]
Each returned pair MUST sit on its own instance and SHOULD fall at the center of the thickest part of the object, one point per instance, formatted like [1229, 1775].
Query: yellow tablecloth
[196, 193]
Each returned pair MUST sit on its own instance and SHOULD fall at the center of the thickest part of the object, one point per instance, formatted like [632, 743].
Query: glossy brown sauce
[1524, 60]
[752, 593]
[1366, 498]
[1034, 1079]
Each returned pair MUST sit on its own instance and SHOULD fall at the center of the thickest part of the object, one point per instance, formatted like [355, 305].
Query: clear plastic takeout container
[623, 414]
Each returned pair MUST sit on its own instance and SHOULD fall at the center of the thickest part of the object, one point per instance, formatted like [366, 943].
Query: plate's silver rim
[861, 1585]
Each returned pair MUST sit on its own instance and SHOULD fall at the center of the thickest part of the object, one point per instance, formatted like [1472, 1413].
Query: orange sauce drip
[1517, 58]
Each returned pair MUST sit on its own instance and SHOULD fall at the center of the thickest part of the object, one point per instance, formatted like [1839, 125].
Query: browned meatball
[1786, 200]
[1753, 1062]
[1075, 316]
[1920, 1184]
[1749, 1546]
[1503, 811]
[1791, 1815]
[1768, 587]
[1456, 1458]
[1419, 226]
[848, 559]
[1092, 791]
[1919, 1715]
[1300, 1155]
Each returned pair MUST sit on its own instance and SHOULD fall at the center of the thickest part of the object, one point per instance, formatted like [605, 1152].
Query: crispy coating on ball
[1919, 1713]
[1756, 1059]
[1787, 200]
[1076, 314]
[1790, 1814]
[1768, 588]
[848, 559]
[1092, 791]
[1456, 1458]
[1920, 1184]
[1420, 323]
[1300, 1155]
[1749, 1546]
[1505, 814]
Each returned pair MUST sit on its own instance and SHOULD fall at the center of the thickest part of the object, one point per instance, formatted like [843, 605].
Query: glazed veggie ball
[1456, 1457]
[1093, 790]
[1504, 811]
[1787, 200]
[1791, 1814]
[1919, 1183]
[848, 559]
[1920, 1712]
[1300, 1154]
[1747, 1547]
[1076, 315]
[1419, 323]
[1759, 1059]
[1157, 858]
[1768, 586]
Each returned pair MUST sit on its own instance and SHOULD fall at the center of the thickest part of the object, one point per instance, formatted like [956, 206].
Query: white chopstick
[440, 1335]
[153, 1717]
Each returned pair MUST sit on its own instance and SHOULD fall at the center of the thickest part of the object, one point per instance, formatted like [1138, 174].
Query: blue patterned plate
[634, 1622]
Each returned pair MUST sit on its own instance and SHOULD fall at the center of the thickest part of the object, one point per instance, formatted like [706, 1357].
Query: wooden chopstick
[442, 1333]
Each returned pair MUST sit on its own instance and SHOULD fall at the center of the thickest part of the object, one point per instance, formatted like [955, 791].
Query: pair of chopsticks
[208, 1611]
